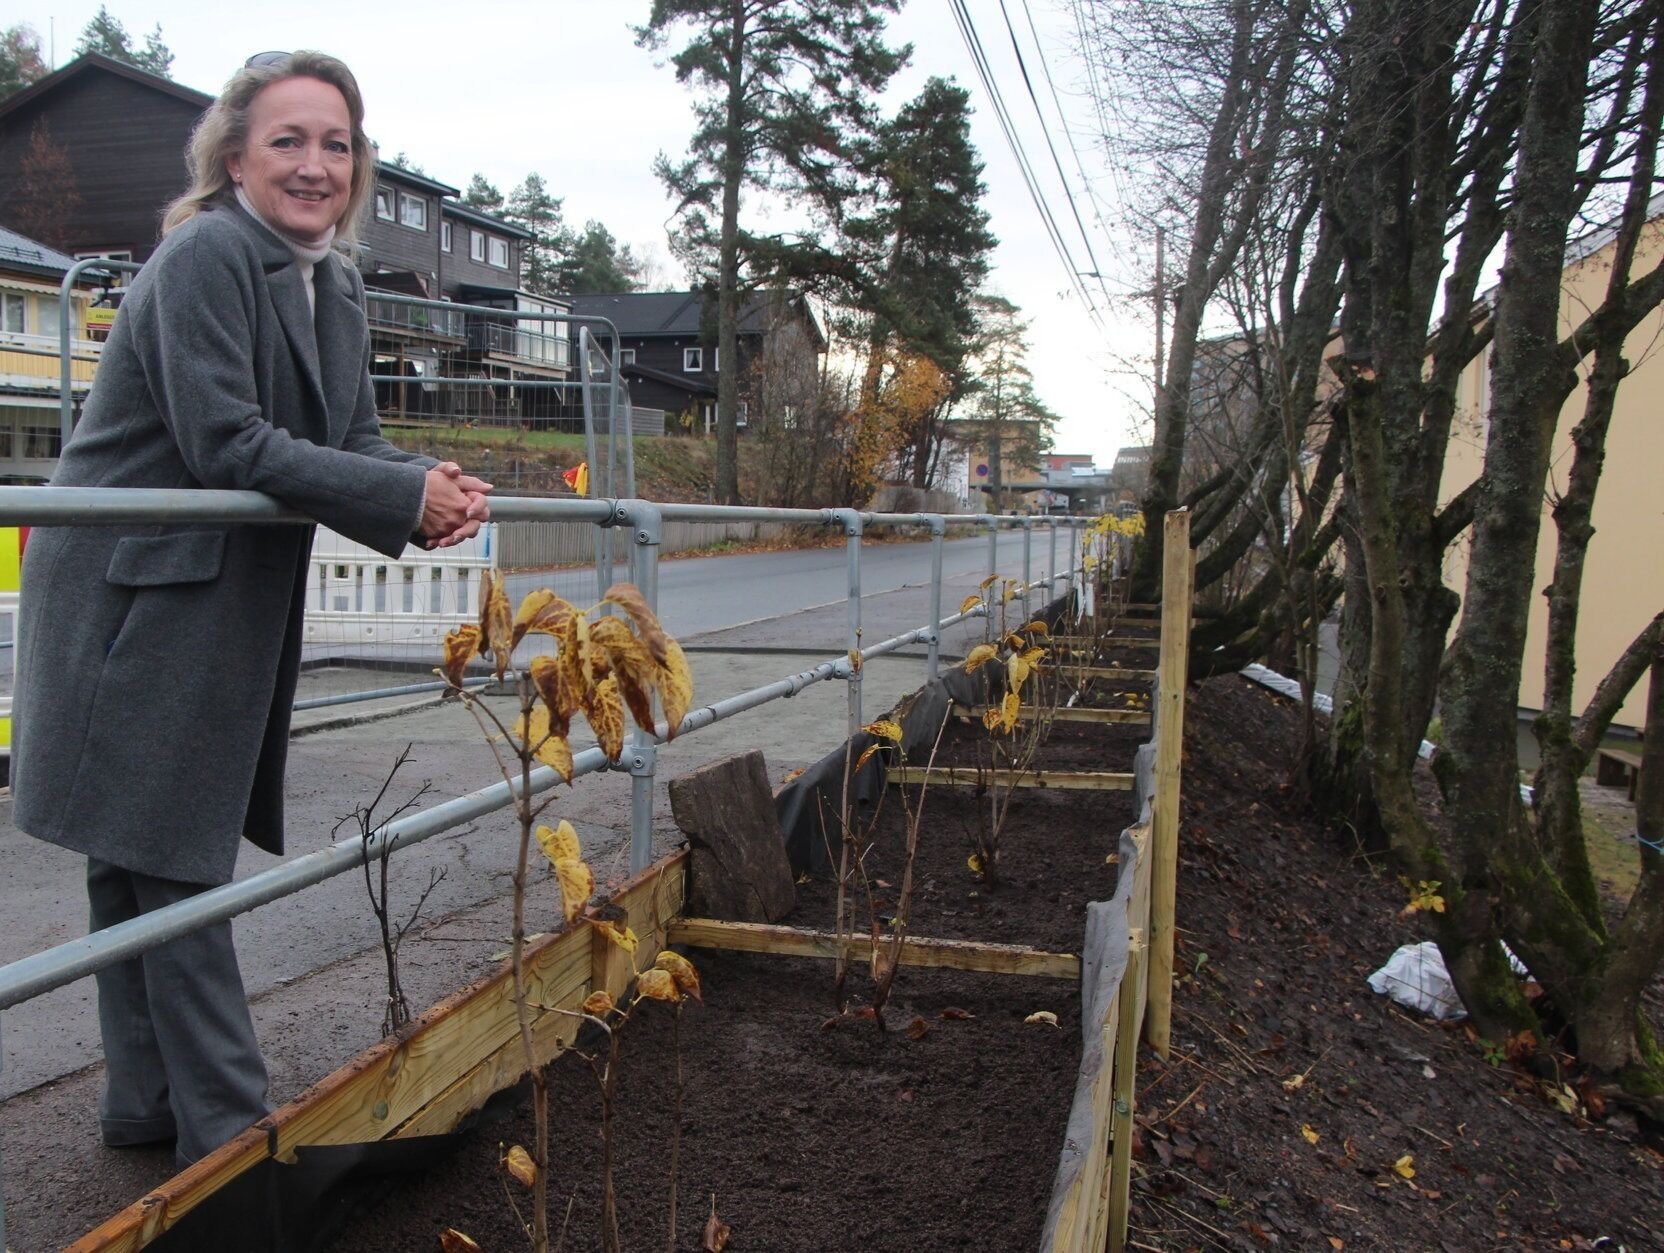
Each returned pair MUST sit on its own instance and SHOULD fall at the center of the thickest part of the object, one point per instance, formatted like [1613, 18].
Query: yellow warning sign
[11, 558]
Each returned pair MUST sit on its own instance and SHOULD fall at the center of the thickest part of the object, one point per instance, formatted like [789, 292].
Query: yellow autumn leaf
[624, 937]
[556, 753]
[1034, 656]
[554, 685]
[1037, 627]
[969, 603]
[1016, 670]
[633, 666]
[675, 684]
[1312, 1137]
[657, 985]
[453, 1241]
[974, 863]
[628, 597]
[978, 656]
[988, 582]
[1404, 1167]
[681, 971]
[540, 613]
[1015, 642]
[604, 708]
[577, 884]
[559, 843]
[599, 1004]
[884, 730]
[496, 622]
[1010, 708]
[991, 717]
[460, 647]
[867, 754]
[1010, 593]
[1042, 1016]
[520, 1165]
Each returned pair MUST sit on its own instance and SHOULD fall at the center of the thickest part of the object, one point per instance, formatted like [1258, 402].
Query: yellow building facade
[1623, 579]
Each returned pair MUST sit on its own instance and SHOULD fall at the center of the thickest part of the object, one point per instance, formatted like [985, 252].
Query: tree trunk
[1479, 768]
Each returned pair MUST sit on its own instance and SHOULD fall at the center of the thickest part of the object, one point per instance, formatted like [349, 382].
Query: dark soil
[1291, 922]
[823, 1138]
[846, 1138]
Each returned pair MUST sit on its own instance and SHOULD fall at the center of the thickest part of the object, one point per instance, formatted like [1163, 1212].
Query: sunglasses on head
[263, 60]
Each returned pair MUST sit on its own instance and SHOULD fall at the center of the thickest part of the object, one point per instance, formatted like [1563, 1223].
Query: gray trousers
[180, 1057]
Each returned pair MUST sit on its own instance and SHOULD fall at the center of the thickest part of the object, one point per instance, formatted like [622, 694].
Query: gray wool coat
[156, 665]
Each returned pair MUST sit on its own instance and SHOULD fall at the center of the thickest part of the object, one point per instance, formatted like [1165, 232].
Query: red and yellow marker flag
[577, 478]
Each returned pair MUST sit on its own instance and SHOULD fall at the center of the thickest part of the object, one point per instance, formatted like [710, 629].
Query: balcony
[443, 325]
[520, 342]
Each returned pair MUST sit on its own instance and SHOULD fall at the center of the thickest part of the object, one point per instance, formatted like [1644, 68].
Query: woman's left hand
[478, 510]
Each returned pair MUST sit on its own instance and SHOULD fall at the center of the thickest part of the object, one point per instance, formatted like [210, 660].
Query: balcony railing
[508, 340]
[414, 320]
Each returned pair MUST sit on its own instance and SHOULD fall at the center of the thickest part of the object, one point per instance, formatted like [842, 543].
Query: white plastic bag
[1415, 977]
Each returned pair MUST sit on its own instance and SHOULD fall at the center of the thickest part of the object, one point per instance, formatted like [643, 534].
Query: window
[384, 203]
[626, 356]
[41, 442]
[14, 314]
[716, 360]
[413, 212]
[476, 246]
[693, 360]
[499, 253]
[445, 236]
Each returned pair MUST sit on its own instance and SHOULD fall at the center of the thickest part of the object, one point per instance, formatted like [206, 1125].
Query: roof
[20, 253]
[198, 100]
[399, 174]
[91, 61]
[465, 213]
[674, 313]
[693, 384]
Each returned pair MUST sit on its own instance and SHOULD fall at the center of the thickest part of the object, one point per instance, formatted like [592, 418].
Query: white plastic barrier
[355, 596]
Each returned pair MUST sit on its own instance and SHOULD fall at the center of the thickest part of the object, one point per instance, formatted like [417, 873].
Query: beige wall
[1623, 580]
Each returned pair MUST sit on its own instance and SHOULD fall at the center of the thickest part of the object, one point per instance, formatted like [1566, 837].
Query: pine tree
[482, 195]
[1005, 416]
[404, 162]
[106, 35]
[531, 207]
[785, 90]
[595, 262]
[926, 246]
[20, 59]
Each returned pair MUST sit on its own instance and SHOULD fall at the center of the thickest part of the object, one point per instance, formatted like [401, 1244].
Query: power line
[984, 70]
[1046, 134]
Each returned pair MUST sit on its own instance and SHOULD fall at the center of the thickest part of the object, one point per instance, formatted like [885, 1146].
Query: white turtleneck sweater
[307, 256]
[307, 252]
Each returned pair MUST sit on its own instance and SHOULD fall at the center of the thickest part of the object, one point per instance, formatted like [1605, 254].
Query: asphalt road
[735, 612]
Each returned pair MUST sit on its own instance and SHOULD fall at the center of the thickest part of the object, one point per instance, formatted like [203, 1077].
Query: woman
[157, 664]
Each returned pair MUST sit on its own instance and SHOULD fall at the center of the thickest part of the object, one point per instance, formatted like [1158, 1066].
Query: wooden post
[1178, 568]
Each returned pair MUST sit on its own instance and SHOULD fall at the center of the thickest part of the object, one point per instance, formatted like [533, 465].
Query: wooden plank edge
[1075, 713]
[1063, 781]
[972, 955]
[164, 1206]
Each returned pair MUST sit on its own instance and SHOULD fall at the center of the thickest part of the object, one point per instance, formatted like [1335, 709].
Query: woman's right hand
[455, 506]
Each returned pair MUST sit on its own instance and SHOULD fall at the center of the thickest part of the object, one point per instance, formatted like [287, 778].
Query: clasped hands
[455, 506]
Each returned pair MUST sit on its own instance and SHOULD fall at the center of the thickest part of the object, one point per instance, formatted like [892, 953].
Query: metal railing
[644, 523]
[536, 347]
[383, 311]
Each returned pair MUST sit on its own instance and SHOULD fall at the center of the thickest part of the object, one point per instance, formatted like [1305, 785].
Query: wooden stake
[1178, 570]
[757, 937]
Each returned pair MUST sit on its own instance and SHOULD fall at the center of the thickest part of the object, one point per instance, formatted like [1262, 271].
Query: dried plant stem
[609, 1102]
[676, 1123]
[904, 902]
[845, 927]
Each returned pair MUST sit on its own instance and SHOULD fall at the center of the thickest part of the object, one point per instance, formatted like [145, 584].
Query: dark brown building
[116, 138]
[669, 351]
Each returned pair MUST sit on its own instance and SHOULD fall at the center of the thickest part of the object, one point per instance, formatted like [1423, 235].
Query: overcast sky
[503, 87]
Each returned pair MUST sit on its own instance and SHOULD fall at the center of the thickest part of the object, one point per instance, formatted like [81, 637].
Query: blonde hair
[223, 131]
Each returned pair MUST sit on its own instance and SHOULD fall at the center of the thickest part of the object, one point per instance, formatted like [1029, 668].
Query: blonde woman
[158, 663]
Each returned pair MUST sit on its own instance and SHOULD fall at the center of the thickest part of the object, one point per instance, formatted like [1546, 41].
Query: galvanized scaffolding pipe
[641, 754]
[938, 530]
